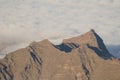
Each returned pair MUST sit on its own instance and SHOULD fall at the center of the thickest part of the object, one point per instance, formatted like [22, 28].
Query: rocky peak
[90, 38]
[44, 43]
[93, 40]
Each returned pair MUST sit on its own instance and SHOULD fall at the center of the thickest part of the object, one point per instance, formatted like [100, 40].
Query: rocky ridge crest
[79, 58]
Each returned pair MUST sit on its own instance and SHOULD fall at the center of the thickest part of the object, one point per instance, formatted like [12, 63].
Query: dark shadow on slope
[101, 53]
[36, 58]
[101, 43]
[66, 47]
[101, 50]
[87, 73]
[7, 71]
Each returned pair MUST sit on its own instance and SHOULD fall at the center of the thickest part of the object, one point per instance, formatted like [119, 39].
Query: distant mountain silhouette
[115, 50]
[83, 57]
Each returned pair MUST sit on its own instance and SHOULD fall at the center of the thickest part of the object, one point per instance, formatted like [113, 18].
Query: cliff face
[80, 58]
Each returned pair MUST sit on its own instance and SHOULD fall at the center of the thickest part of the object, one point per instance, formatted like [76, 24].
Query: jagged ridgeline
[83, 57]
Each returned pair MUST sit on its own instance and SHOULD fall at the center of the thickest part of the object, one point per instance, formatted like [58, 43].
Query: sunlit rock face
[79, 58]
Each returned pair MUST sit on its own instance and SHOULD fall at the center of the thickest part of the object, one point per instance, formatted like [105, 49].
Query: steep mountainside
[79, 58]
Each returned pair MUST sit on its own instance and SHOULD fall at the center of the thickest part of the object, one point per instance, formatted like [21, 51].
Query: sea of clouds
[23, 21]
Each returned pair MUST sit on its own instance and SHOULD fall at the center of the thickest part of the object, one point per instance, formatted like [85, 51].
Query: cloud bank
[24, 21]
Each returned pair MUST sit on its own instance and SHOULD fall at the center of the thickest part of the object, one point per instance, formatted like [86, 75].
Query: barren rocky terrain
[83, 57]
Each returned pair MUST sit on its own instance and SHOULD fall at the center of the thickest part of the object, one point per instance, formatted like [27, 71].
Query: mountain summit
[93, 40]
[83, 57]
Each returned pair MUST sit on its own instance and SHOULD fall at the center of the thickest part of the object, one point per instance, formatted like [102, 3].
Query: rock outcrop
[79, 58]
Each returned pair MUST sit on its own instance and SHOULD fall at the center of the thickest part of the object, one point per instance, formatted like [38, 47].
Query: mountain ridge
[77, 58]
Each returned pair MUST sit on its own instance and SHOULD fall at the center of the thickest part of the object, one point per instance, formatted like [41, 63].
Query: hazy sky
[22, 21]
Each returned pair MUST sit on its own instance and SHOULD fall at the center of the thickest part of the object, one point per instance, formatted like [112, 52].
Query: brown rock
[80, 58]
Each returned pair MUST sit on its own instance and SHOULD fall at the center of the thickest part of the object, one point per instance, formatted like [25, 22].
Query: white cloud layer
[22, 21]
